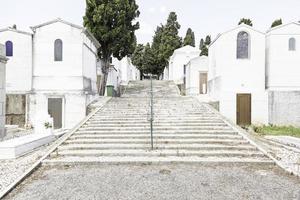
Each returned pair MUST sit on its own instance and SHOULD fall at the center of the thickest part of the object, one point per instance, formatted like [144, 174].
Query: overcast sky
[203, 16]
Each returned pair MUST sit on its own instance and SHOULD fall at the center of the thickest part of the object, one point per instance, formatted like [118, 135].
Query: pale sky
[203, 16]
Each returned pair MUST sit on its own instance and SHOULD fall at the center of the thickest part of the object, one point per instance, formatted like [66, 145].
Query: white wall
[128, 71]
[229, 76]
[19, 66]
[2, 90]
[64, 75]
[193, 69]
[283, 66]
[177, 61]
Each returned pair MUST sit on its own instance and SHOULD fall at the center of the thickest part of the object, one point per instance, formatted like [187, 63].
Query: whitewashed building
[283, 74]
[175, 70]
[128, 72]
[55, 67]
[196, 76]
[237, 75]
[3, 61]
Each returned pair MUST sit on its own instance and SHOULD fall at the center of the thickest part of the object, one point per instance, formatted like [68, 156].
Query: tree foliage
[246, 21]
[111, 22]
[207, 40]
[189, 38]
[137, 57]
[170, 40]
[277, 22]
[149, 60]
[204, 45]
[201, 44]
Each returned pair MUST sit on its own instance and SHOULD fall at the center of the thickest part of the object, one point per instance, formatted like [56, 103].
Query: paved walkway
[175, 182]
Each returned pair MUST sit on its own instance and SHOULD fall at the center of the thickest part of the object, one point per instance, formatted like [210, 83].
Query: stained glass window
[9, 48]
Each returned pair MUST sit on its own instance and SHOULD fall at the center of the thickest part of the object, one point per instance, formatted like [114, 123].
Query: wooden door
[243, 110]
[55, 111]
[203, 83]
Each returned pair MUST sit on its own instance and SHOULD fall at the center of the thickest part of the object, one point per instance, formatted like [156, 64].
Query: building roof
[237, 27]
[186, 48]
[15, 30]
[282, 25]
[197, 58]
[84, 30]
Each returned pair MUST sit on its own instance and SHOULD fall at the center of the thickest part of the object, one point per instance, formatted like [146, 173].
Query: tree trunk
[105, 71]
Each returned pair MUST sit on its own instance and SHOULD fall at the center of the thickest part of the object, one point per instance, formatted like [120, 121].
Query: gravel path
[12, 169]
[145, 182]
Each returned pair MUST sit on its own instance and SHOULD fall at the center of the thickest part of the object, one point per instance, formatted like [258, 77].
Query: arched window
[243, 43]
[9, 48]
[292, 44]
[58, 50]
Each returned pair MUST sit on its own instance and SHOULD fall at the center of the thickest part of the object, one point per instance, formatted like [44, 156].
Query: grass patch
[277, 130]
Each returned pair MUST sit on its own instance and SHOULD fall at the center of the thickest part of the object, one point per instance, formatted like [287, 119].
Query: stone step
[156, 128]
[159, 132]
[158, 141]
[160, 136]
[143, 120]
[153, 160]
[156, 124]
[155, 153]
[159, 146]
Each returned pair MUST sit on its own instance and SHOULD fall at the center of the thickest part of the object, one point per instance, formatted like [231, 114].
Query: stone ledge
[17, 147]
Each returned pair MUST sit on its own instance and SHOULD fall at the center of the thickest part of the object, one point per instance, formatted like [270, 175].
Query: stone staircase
[184, 131]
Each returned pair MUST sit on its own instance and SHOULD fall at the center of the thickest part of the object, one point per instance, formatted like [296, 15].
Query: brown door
[55, 111]
[243, 110]
[203, 83]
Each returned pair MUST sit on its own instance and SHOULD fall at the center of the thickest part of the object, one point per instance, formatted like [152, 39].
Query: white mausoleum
[196, 76]
[283, 74]
[237, 75]
[3, 61]
[55, 67]
[175, 70]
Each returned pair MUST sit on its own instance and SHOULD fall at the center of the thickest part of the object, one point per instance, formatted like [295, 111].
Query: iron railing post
[151, 112]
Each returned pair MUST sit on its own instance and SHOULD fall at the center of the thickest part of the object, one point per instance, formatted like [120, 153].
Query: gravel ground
[145, 182]
[12, 169]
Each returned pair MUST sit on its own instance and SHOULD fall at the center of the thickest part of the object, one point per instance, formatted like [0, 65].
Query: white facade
[72, 79]
[229, 76]
[283, 63]
[19, 67]
[283, 72]
[128, 71]
[194, 68]
[3, 60]
[177, 61]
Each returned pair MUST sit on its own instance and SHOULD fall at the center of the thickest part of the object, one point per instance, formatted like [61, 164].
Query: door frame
[63, 107]
[237, 107]
[203, 72]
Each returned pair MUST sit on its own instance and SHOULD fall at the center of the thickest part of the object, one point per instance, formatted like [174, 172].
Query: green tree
[189, 38]
[112, 24]
[149, 60]
[156, 48]
[246, 21]
[170, 41]
[138, 57]
[201, 44]
[276, 23]
[204, 51]
[207, 40]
